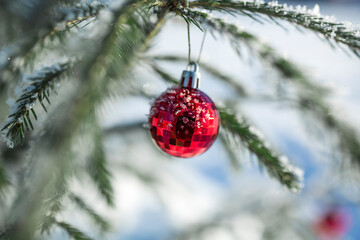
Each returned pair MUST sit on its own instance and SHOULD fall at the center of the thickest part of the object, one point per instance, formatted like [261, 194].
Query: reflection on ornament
[184, 121]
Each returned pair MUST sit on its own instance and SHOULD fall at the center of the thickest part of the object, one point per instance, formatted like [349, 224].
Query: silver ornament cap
[191, 76]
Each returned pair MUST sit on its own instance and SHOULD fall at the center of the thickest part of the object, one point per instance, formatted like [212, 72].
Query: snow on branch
[326, 26]
[265, 52]
[311, 97]
[312, 103]
[277, 166]
[69, 17]
[134, 39]
[41, 82]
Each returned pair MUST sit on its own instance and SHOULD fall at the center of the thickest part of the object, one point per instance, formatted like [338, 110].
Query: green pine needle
[234, 158]
[52, 204]
[43, 186]
[70, 16]
[265, 52]
[72, 231]
[163, 74]
[98, 170]
[41, 81]
[103, 224]
[275, 165]
[339, 32]
[210, 69]
[4, 182]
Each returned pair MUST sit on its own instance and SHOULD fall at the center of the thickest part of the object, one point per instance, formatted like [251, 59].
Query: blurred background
[205, 197]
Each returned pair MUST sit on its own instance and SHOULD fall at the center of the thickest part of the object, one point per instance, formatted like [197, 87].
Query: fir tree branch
[25, 48]
[265, 52]
[348, 137]
[30, 18]
[141, 175]
[229, 80]
[77, 107]
[73, 232]
[277, 166]
[84, 104]
[39, 196]
[98, 169]
[312, 94]
[212, 70]
[3, 178]
[124, 128]
[313, 103]
[311, 19]
[234, 159]
[96, 218]
[163, 74]
[71, 17]
[53, 196]
[41, 82]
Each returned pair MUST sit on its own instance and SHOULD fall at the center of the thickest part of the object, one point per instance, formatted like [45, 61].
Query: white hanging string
[189, 39]
[188, 33]
[202, 46]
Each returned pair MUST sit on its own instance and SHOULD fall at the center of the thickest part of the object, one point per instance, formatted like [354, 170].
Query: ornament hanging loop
[191, 78]
[192, 64]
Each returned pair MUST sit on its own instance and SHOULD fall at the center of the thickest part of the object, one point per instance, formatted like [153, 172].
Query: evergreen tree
[61, 60]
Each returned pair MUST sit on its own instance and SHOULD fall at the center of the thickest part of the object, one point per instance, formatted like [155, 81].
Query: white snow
[10, 102]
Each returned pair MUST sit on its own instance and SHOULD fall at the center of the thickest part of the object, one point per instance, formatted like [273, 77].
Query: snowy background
[158, 198]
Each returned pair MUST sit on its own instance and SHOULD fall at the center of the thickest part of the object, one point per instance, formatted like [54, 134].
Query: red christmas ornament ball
[184, 122]
[334, 224]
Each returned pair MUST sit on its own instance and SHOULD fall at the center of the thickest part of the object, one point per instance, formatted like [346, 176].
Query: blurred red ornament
[184, 121]
[334, 224]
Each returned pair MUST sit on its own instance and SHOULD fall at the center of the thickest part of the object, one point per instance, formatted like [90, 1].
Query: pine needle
[40, 82]
[54, 194]
[3, 178]
[98, 169]
[266, 53]
[210, 69]
[72, 231]
[344, 33]
[163, 74]
[276, 165]
[103, 224]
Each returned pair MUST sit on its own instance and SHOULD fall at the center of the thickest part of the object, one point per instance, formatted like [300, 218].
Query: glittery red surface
[184, 122]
